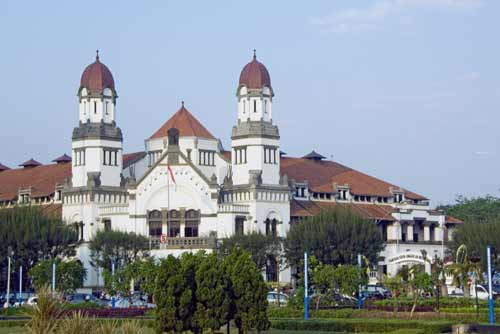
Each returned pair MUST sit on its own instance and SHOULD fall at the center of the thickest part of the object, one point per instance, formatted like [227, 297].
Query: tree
[69, 275]
[119, 247]
[438, 278]
[260, 246]
[420, 282]
[334, 236]
[348, 278]
[462, 269]
[395, 284]
[475, 209]
[167, 296]
[247, 291]
[213, 301]
[33, 235]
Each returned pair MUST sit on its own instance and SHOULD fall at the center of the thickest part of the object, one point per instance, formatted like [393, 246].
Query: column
[409, 231]
[438, 233]
[183, 221]
[427, 232]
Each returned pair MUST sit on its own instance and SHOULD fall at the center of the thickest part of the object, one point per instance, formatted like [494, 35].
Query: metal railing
[234, 208]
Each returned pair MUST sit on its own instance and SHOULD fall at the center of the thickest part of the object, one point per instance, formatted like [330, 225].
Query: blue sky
[404, 90]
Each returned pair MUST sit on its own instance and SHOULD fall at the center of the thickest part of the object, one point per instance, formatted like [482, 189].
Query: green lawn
[20, 330]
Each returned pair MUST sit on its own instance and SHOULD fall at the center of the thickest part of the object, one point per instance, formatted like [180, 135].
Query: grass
[21, 330]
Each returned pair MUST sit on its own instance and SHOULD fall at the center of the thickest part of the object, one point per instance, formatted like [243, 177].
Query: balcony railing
[234, 208]
[181, 243]
[113, 209]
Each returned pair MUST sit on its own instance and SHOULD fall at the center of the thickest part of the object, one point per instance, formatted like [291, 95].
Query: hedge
[361, 325]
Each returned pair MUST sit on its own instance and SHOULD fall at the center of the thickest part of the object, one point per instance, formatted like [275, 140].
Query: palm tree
[463, 269]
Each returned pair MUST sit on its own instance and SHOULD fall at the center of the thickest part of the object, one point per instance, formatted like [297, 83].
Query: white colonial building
[185, 192]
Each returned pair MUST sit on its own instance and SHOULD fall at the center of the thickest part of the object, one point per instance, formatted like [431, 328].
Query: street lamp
[10, 252]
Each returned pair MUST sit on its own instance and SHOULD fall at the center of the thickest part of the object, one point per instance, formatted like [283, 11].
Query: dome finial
[254, 54]
[182, 102]
[97, 55]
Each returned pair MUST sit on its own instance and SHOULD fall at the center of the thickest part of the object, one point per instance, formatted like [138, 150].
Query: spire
[254, 54]
[182, 102]
[97, 55]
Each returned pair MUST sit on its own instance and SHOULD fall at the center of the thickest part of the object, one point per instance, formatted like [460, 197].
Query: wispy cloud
[373, 17]
[482, 153]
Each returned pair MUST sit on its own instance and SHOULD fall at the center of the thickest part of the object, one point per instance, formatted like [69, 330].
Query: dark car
[77, 298]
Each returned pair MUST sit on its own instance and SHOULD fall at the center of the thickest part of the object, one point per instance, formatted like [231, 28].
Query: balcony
[234, 208]
[113, 209]
[181, 243]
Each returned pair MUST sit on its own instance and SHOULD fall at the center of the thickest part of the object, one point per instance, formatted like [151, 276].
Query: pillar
[427, 232]
[409, 232]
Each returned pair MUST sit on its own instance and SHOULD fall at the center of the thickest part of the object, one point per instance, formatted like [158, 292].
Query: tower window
[270, 155]
[95, 107]
[244, 106]
[254, 105]
[106, 108]
[206, 158]
[265, 106]
[240, 155]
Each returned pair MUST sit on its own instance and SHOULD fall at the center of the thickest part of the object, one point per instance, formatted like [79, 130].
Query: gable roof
[187, 125]
[322, 175]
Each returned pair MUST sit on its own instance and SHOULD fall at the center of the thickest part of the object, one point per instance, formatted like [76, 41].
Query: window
[110, 157]
[206, 158]
[270, 155]
[106, 108]
[79, 155]
[155, 223]
[192, 222]
[254, 105]
[174, 224]
[244, 106]
[265, 106]
[240, 155]
[95, 107]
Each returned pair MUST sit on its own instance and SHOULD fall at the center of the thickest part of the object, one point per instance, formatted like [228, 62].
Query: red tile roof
[130, 158]
[368, 211]
[187, 125]
[42, 180]
[3, 167]
[322, 175]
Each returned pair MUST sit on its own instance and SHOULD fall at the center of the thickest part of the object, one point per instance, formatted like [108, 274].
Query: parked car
[272, 298]
[122, 302]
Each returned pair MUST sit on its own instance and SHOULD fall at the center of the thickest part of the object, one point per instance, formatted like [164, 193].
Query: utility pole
[360, 298]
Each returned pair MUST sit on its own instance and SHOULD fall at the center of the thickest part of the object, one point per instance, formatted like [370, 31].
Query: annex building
[185, 190]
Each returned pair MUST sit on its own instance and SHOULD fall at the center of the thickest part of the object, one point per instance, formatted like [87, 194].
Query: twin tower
[97, 141]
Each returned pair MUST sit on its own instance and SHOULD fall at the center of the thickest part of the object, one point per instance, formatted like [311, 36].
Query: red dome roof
[96, 77]
[255, 75]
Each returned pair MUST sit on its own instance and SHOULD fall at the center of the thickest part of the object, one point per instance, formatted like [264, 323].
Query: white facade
[213, 196]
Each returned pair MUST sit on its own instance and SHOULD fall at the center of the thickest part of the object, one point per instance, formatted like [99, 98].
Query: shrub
[360, 325]
[44, 315]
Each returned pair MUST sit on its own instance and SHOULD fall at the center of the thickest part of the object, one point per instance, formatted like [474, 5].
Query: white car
[272, 298]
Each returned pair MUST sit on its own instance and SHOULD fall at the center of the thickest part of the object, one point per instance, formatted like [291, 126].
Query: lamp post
[306, 289]
[9, 254]
[490, 292]
[20, 284]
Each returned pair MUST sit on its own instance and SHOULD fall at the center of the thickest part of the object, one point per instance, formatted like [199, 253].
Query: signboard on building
[407, 258]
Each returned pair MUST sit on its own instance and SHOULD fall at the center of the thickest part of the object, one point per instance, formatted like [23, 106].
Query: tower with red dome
[255, 139]
[97, 141]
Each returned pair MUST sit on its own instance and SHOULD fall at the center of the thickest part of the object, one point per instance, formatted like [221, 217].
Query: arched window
[265, 106]
[154, 220]
[95, 107]
[244, 106]
[174, 224]
[192, 220]
[254, 105]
